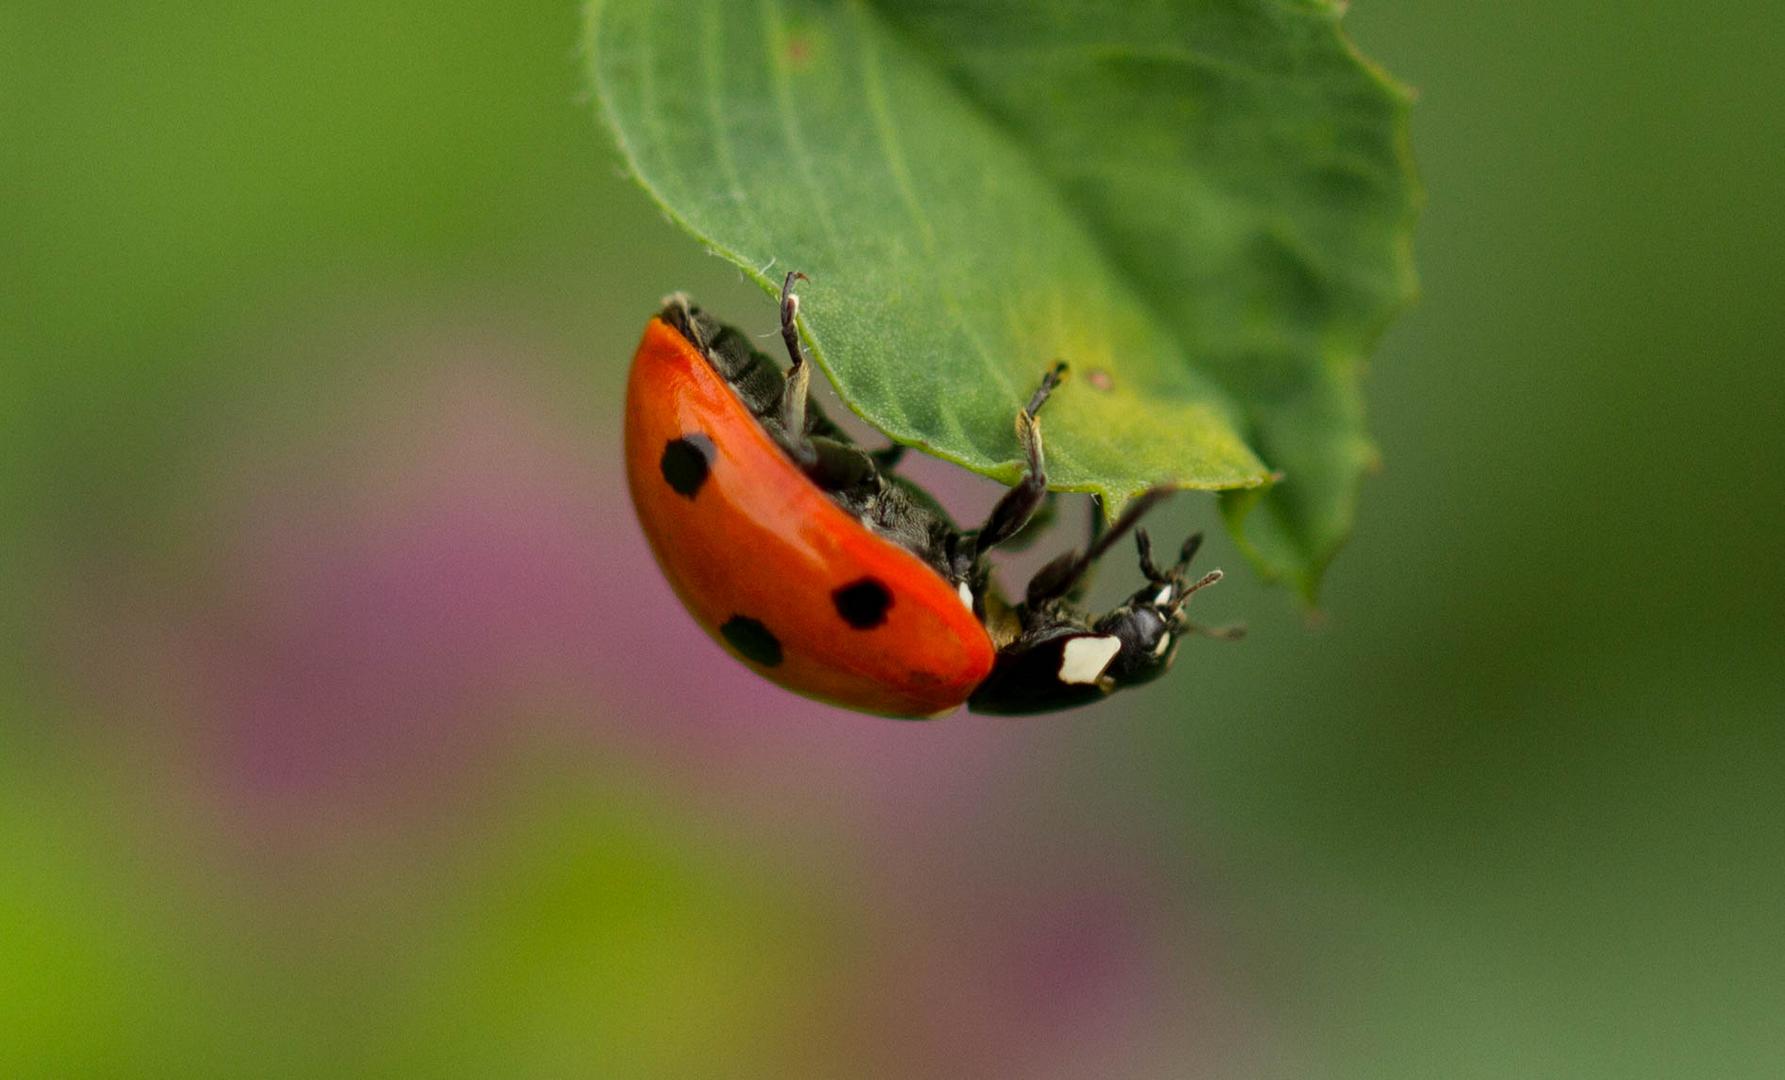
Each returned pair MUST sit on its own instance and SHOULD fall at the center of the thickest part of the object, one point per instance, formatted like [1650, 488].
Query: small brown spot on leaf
[1099, 379]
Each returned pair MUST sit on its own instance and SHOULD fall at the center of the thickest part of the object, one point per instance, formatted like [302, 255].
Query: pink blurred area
[434, 588]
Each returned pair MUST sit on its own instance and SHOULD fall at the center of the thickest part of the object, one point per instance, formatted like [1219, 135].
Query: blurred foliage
[347, 730]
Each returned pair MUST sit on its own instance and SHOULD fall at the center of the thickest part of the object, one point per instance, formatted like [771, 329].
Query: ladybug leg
[1065, 573]
[1162, 577]
[837, 466]
[1215, 633]
[1039, 523]
[1019, 504]
[1093, 531]
[799, 375]
[887, 460]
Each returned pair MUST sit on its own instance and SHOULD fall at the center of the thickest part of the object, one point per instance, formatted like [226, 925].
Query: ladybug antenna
[1201, 583]
[1180, 621]
[1176, 605]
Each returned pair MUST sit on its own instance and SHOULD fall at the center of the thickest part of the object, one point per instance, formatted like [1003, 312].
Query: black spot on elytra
[752, 639]
[685, 463]
[863, 603]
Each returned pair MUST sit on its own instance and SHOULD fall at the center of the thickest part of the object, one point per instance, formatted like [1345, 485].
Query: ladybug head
[1150, 623]
[1063, 660]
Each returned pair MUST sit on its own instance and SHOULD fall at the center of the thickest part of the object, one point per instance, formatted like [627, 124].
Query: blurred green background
[346, 729]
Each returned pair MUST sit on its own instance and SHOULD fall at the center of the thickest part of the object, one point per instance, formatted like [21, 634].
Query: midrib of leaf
[722, 148]
[648, 94]
[776, 27]
[893, 150]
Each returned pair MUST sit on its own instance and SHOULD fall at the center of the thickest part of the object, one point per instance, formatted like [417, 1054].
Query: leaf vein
[722, 148]
[776, 37]
[886, 130]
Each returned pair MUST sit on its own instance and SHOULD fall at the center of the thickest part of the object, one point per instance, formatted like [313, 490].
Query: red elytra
[756, 540]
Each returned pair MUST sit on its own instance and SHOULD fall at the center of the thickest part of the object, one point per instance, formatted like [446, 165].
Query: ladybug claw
[1049, 383]
[790, 301]
[1192, 545]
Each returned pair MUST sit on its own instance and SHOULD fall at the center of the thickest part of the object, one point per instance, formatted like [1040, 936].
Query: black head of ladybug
[1063, 658]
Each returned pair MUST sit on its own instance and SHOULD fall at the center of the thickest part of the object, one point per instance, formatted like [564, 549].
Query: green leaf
[1204, 207]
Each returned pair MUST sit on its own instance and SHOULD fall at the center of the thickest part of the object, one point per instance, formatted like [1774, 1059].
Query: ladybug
[811, 560]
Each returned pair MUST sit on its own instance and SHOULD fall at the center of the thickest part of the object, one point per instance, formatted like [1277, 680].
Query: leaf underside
[1203, 207]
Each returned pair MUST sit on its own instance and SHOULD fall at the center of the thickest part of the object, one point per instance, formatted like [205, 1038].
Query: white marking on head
[1164, 644]
[1084, 658]
[965, 592]
[1163, 598]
